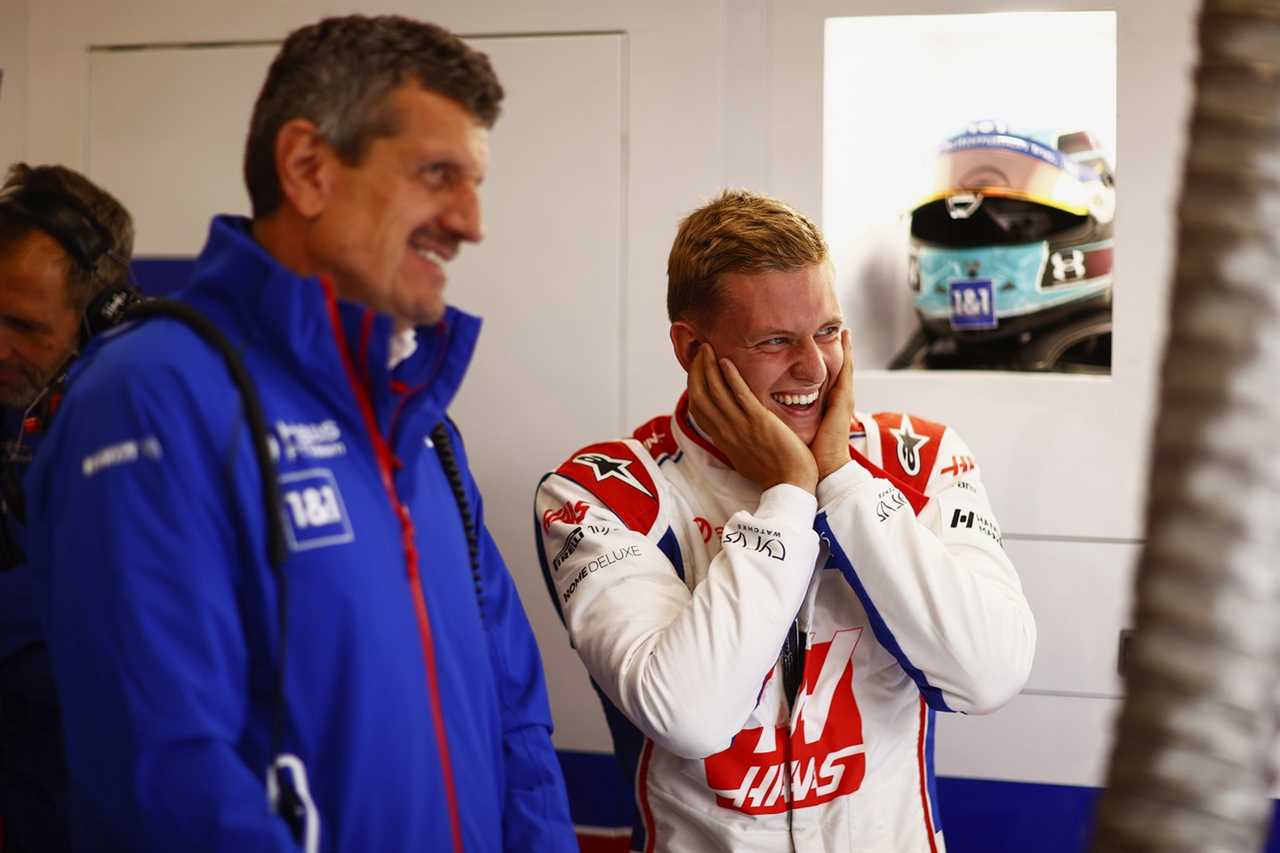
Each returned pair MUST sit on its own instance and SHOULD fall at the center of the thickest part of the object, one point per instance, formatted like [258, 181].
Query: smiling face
[782, 331]
[391, 223]
[38, 324]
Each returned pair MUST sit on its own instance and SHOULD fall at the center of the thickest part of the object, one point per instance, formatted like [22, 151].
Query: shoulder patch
[617, 477]
[657, 438]
[908, 446]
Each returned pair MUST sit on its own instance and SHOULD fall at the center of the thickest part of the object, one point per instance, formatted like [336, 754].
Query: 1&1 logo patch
[314, 510]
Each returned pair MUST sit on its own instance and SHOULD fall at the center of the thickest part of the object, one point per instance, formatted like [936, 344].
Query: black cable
[277, 547]
[449, 462]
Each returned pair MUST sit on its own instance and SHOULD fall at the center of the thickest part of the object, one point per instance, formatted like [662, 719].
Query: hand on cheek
[757, 443]
[831, 444]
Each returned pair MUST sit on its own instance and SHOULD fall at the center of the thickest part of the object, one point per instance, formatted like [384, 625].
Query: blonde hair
[736, 232]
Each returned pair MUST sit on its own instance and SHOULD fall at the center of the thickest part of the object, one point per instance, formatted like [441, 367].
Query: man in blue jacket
[408, 705]
[63, 241]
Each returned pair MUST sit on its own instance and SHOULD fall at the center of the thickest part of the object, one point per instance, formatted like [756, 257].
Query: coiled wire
[1190, 770]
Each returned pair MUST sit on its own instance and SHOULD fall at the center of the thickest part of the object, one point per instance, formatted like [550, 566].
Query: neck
[281, 234]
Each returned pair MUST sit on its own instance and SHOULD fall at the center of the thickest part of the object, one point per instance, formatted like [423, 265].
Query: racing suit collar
[692, 440]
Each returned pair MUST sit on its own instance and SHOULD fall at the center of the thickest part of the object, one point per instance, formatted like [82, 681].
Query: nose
[463, 217]
[809, 365]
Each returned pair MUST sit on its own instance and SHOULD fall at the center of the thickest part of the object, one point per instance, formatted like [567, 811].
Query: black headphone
[86, 240]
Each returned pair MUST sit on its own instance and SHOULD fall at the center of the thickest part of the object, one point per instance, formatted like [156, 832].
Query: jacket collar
[237, 280]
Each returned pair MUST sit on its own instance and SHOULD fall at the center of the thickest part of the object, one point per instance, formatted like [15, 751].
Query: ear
[304, 166]
[685, 340]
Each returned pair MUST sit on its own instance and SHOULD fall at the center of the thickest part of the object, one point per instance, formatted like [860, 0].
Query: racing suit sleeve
[686, 667]
[138, 556]
[939, 591]
[536, 807]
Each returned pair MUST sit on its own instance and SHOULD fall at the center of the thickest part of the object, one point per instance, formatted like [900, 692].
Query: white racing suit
[679, 581]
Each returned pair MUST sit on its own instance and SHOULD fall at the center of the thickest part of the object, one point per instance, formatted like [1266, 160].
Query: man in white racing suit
[773, 593]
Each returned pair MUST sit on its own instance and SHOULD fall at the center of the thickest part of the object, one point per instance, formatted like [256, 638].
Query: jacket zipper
[386, 464]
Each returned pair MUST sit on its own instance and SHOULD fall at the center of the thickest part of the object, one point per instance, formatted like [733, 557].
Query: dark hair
[338, 74]
[83, 200]
[736, 232]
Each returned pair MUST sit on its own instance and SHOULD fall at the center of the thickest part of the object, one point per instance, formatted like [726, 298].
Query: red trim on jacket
[686, 424]
[924, 777]
[386, 464]
[642, 795]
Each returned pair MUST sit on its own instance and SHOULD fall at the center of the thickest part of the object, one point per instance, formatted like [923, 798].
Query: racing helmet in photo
[1015, 233]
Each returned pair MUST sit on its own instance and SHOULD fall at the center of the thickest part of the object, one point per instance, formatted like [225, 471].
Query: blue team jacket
[408, 704]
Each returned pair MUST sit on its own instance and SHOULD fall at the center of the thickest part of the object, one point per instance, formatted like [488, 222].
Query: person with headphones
[298, 634]
[64, 242]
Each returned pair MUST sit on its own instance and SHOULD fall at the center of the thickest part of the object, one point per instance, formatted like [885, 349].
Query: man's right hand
[758, 444]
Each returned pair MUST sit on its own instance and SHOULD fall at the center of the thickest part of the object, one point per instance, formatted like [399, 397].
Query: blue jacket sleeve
[140, 559]
[536, 808]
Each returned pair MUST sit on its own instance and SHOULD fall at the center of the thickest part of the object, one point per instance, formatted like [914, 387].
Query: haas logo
[826, 758]
[569, 514]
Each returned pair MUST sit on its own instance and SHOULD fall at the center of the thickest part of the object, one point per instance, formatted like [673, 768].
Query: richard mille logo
[605, 467]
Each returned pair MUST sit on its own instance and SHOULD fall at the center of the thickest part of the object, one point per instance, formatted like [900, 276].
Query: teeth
[796, 399]
[428, 255]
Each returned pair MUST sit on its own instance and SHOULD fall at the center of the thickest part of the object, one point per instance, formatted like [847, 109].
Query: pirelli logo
[570, 545]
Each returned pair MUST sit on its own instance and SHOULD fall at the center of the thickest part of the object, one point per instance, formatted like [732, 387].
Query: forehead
[799, 300]
[33, 269]
[432, 124]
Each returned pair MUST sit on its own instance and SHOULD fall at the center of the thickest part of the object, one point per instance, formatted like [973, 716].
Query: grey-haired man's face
[393, 222]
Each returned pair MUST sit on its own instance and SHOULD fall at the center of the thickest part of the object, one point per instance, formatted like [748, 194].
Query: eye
[829, 331]
[19, 325]
[437, 176]
[777, 341]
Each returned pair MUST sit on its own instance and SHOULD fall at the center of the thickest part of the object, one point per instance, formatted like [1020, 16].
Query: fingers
[844, 382]
[708, 398]
[733, 395]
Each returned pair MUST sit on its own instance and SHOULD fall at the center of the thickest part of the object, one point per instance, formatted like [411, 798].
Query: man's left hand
[831, 445]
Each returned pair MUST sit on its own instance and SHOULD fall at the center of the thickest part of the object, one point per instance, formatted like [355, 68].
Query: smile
[429, 255]
[797, 401]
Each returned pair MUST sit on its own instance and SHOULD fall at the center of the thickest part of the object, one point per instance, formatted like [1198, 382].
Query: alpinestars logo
[909, 446]
[605, 467]
[827, 755]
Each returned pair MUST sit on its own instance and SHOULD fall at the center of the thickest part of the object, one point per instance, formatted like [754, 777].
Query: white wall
[13, 91]
[730, 93]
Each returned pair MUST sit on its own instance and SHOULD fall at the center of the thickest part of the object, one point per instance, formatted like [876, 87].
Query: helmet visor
[1008, 166]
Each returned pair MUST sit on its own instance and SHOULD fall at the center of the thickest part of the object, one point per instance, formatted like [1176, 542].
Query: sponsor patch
[606, 467]
[570, 545]
[121, 453]
[821, 759]
[613, 473]
[617, 555]
[314, 510]
[570, 513]
[908, 447]
[959, 465]
[321, 440]
[758, 539]
[963, 519]
[705, 530]
[888, 502]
